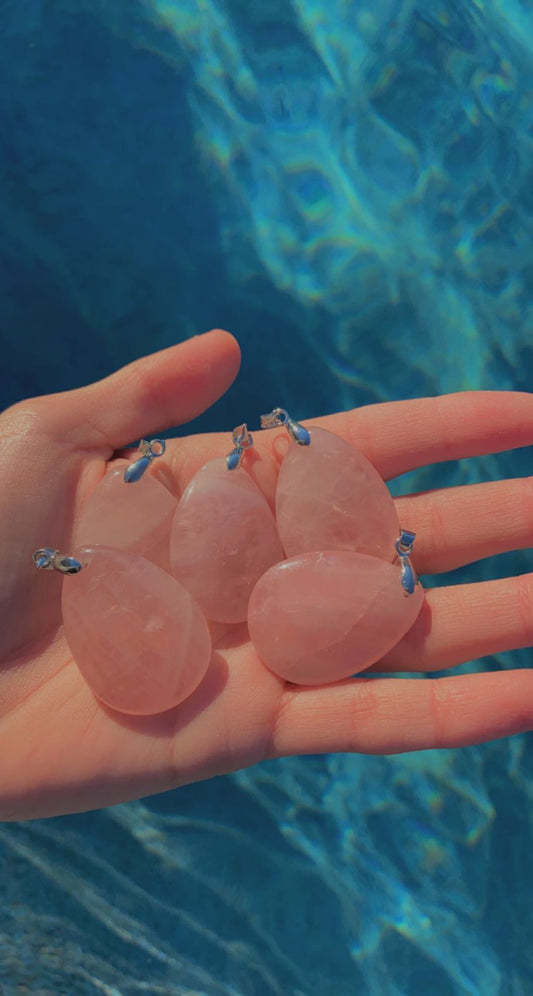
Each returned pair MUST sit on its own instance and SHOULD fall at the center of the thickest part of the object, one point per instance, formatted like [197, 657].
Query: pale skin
[61, 751]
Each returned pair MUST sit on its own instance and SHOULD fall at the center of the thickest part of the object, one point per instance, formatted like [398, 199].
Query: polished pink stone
[322, 616]
[135, 517]
[138, 638]
[330, 497]
[223, 539]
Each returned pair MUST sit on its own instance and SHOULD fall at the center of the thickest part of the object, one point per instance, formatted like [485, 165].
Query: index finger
[399, 436]
[396, 436]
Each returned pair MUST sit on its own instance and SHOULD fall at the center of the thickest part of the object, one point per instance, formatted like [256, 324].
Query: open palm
[62, 751]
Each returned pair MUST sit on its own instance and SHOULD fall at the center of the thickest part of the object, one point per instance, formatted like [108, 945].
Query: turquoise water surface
[348, 187]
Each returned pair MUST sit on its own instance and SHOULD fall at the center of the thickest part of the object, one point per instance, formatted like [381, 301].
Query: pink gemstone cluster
[155, 571]
[336, 605]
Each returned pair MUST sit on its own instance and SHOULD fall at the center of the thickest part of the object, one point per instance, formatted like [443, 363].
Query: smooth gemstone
[330, 497]
[223, 539]
[135, 517]
[139, 639]
[322, 616]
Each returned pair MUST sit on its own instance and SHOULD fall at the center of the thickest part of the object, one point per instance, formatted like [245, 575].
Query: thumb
[152, 394]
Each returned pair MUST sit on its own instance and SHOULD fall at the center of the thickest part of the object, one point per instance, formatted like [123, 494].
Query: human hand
[62, 751]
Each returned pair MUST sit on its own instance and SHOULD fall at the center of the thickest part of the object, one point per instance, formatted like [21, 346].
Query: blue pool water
[348, 188]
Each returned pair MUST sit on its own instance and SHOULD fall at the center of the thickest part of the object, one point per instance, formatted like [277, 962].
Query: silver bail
[296, 431]
[49, 559]
[150, 449]
[242, 440]
[404, 548]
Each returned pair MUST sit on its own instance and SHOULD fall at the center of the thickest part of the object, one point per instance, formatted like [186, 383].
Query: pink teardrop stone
[135, 517]
[138, 638]
[322, 616]
[223, 539]
[330, 497]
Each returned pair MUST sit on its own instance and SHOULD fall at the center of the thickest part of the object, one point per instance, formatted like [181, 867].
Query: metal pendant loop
[49, 559]
[242, 440]
[404, 547]
[150, 449]
[296, 431]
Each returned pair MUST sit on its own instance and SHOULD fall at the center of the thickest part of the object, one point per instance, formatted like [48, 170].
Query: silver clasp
[296, 431]
[150, 449]
[404, 548]
[242, 440]
[49, 559]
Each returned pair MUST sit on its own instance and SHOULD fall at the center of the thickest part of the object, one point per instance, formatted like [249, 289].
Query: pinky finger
[394, 715]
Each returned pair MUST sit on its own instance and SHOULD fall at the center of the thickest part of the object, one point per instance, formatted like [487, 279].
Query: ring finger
[459, 525]
[463, 622]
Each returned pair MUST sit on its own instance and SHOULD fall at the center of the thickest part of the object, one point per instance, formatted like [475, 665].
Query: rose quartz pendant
[138, 638]
[330, 497]
[322, 616]
[135, 517]
[223, 539]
